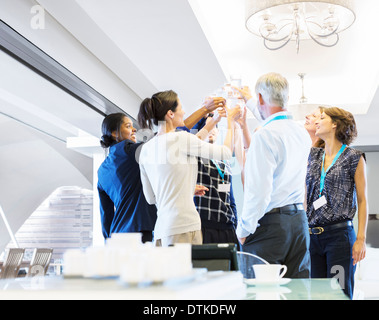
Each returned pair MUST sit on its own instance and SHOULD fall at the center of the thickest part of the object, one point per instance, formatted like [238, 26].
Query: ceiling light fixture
[303, 99]
[279, 21]
[303, 108]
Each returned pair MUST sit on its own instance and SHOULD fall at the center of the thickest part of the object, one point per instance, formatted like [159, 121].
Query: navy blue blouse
[339, 189]
[123, 205]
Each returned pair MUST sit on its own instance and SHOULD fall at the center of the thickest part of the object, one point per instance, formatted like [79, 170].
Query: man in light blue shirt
[273, 223]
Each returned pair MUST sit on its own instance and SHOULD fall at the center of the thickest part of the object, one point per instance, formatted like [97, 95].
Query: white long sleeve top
[169, 171]
[275, 170]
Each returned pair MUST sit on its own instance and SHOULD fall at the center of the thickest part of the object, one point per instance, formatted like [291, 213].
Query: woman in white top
[168, 164]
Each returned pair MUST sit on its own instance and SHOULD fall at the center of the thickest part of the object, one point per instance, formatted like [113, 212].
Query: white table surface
[211, 285]
[199, 286]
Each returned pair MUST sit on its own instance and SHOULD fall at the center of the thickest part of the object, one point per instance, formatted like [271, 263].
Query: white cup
[269, 272]
[74, 263]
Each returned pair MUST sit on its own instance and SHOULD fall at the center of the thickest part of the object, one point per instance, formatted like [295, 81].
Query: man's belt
[319, 230]
[289, 208]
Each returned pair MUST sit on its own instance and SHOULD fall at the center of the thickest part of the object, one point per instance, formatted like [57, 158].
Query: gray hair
[274, 89]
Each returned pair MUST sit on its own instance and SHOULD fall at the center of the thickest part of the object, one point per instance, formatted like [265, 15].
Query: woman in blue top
[123, 205]
[336, 188]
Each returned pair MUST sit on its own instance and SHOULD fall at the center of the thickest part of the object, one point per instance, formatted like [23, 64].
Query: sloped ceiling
[162, 40]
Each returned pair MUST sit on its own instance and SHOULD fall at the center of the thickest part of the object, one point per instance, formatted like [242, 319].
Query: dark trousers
[147, 236]
[283, 238]
[331, 256]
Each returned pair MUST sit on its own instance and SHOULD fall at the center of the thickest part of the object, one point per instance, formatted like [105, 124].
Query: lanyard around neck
[222, 174]
[323, 172]
[281, 117]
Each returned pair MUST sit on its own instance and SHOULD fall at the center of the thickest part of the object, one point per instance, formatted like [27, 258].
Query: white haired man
[273, 223]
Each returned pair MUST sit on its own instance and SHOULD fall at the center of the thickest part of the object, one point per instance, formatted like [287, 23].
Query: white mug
[269, 272]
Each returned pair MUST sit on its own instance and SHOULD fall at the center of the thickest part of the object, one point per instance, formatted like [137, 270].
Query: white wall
[373, 181]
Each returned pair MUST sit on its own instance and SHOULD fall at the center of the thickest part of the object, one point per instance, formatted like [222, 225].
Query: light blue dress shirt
[275, 169]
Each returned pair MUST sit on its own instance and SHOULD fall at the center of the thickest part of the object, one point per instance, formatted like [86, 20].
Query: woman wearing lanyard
[336, 185]
[217, 208]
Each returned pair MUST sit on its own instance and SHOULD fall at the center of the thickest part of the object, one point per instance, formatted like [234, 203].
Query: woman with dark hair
[123, 205]
[336, 188]
[168, 164]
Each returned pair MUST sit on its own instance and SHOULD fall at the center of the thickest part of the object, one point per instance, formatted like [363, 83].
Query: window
[63, 221]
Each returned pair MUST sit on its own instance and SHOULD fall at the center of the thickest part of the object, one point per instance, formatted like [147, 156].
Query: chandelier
[279, 21]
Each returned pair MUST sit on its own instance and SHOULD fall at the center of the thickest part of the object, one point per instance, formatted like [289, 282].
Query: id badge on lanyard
[222, 187]
[321, 201]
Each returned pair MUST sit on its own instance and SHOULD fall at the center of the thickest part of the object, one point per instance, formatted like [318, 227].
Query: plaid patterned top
[217, 209]
[339, 190]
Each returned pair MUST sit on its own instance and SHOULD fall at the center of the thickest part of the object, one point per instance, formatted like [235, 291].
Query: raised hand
[245, 92]
[234, 113]
[212, 103]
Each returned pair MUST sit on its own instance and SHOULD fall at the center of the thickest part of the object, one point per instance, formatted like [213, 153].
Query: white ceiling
[194, 46]
[346, 75]
[149, 45]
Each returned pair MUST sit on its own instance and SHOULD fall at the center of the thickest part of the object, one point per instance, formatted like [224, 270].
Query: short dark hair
[346, 130]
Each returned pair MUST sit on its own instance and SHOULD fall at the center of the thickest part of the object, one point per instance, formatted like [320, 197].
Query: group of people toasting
[302, 185]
